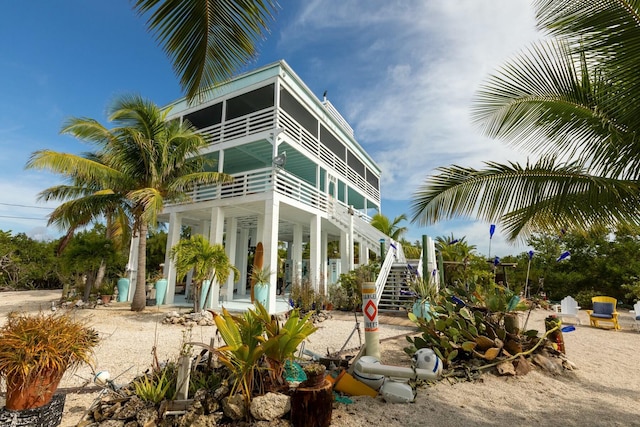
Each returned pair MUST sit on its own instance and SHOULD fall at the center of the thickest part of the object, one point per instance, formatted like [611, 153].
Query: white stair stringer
[363, 231]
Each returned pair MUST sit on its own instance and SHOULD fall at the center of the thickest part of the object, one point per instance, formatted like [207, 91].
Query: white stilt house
[300, 177]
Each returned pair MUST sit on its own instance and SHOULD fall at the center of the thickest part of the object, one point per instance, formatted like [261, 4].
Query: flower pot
[261, 293]
[106, 299]
[161, 290]
[422, 309]
[33, 395]
[206, 284]
[123, 289]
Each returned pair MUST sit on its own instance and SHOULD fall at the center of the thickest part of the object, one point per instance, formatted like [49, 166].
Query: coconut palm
[207, 40]
[388, 227]
[208, 262]
[572, 101]
[142, 163]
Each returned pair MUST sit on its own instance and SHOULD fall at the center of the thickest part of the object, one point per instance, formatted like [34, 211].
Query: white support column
[215, 236]
[344, 252]
[132, 267]
[315, 252]
[364, 253]
[351, 240]
[243, 254]
[296, 255]
[217, 225]
[205, 229]
[324, 259]
[270, 244]
[173, 237]
[230, 247]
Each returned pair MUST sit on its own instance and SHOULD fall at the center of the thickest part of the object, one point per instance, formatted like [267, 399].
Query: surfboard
[258, 261]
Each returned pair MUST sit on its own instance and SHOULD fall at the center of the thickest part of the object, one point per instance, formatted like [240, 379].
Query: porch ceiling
[247, 214]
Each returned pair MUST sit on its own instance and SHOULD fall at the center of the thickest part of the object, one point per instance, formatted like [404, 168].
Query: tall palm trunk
[102, 270]
[140, 296]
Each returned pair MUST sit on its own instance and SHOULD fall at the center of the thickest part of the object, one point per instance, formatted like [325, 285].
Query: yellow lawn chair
[604, 310]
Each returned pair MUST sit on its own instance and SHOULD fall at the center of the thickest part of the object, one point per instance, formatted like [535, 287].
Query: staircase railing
[394, 254]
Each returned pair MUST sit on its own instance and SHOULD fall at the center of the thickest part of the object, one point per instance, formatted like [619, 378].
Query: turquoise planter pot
[261, 293]
[204, 291]
[161, 291]
[422, 310]
[123, 289]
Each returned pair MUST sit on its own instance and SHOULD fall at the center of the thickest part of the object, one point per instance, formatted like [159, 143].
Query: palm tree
[208, 261]
[456, 256]
[572, 101]
[207, 40]
[388, 227]
[142, 163]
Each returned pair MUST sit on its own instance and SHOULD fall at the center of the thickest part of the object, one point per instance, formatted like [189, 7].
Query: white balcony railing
[250, 124]
[261, 181]
[264, 120]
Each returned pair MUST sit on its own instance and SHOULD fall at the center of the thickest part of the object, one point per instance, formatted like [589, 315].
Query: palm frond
[541, 196]
[207, 40]
[608, 32]
[553, 102]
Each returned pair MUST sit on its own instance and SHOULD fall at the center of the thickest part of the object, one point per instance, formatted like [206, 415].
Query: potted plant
[123, 287]
[36, 350]
[208, 261]
[426, 292]
[160, 283]
[261, 277]
[106, 291]
[315, 373]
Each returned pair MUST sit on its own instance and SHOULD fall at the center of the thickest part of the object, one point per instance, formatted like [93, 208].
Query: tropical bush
[257, 347]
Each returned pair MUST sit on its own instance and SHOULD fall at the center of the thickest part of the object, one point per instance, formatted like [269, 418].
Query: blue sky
[403, 74]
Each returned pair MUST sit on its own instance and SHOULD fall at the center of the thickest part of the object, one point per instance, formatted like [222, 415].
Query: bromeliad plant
[257, 343]
[36, 351]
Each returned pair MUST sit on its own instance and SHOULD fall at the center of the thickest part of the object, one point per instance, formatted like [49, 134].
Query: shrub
[584, 298]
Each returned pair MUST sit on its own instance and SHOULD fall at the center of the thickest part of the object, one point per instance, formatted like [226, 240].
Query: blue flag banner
[563, 255]
[496, 261]
[530, 254]
[492, 229]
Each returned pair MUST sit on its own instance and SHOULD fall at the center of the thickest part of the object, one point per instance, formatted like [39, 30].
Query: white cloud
[404, 75]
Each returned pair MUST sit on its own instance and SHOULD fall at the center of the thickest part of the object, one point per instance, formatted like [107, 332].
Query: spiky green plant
[154, 387]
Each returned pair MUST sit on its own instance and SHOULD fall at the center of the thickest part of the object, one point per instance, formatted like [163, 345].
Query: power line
[26, 206]
[22, 217]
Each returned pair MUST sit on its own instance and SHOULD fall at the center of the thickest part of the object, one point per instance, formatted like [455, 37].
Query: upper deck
[242, 118]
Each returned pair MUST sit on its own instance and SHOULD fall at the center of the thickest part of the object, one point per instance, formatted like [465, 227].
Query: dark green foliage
[600, 264]
[156, 249]
[351, 284]
[26, 263]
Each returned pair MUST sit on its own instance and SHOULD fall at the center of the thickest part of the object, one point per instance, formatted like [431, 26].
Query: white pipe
[399, 371]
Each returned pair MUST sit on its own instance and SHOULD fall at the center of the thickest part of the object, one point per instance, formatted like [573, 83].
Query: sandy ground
[604, 391]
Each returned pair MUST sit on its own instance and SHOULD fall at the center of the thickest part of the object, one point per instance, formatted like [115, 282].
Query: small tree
[208, 261]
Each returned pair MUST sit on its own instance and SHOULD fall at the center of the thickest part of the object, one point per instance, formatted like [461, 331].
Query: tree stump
[311, 406]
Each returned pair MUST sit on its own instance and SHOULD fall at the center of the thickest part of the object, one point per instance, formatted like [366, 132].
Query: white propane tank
[395, 390]
[372, 380]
